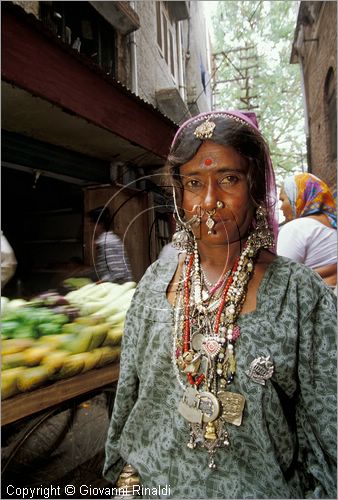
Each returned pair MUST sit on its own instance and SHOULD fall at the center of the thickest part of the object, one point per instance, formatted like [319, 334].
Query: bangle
[128, 479]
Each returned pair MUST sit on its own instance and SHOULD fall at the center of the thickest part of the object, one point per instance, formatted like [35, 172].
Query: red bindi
[208, 162]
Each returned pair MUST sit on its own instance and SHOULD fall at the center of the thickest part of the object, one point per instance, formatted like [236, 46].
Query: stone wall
[320, 54]
[29, 7]
[197, 62]
[153, 71]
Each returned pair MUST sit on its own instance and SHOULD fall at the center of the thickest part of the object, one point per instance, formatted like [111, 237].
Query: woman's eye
[193, 183]
[229, 180]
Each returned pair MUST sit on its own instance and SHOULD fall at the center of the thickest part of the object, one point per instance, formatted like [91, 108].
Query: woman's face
[285, 206]
[217, 174]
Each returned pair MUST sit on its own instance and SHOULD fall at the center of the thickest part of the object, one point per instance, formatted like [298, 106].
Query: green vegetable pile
[31, 322]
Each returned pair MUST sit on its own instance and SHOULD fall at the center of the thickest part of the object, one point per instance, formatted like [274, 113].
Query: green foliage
[252, 47]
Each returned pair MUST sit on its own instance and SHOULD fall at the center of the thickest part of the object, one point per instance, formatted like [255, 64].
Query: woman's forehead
[212, 155]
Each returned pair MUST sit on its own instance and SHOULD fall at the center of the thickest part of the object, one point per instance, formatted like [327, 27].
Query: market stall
[23, 405]
[60, 365]
[52, 337]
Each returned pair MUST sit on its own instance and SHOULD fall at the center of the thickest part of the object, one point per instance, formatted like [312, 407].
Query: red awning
[34, 60]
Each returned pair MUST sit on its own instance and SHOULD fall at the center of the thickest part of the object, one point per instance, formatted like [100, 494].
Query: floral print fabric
[308, 195]
[286, 445]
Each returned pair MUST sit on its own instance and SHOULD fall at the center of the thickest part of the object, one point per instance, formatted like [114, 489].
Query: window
[167, 36]
[159, 24]
[79, 25]
[331, 112]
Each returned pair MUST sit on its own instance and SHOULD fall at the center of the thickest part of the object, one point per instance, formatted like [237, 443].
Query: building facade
[315, 50]
[92, 95]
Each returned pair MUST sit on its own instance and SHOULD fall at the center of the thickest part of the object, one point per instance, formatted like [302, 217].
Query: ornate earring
[183, 239]
[262, 235]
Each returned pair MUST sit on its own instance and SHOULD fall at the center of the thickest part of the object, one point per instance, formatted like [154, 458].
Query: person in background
[168, 252]
[8, 261]
[111, 260]
[310, 233]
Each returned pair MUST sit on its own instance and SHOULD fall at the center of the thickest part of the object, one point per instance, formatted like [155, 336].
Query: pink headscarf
[247, 118]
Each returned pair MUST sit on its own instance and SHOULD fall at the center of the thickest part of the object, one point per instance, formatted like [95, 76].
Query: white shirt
[308, 241]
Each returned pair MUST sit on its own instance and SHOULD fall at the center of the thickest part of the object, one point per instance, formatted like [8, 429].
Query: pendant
[232, 407]
[212, 345]
[209, 406]
[260, 370]
[210, 223]
[196, 341]
[210, 431]
[188, 407]
[198, 407]
[210, 436]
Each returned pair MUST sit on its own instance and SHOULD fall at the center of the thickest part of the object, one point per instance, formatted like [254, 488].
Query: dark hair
[246, 140]
[100, 215]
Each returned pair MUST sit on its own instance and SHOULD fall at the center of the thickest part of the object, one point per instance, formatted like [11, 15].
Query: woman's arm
[328, 273]
[317, 401]
[126, 397]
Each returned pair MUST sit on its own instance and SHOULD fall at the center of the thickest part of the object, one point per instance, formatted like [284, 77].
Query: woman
[310, 235]
[227, 385]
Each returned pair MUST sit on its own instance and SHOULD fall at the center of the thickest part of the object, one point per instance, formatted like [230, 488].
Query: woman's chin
[220, 237]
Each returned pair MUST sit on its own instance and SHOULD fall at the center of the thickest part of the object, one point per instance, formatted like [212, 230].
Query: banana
[31, 378]
[33, 355]
[108, 355]
[9, 382]
[92, 360]
[114, 336]
[11, 346]
[54, 361]
[79, 343]
[73, 365]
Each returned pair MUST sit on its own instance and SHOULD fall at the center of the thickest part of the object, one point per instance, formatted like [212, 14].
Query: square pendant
[210, 223]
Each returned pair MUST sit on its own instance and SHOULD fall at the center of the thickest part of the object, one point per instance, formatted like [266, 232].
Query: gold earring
[219, 204]
[262, 236]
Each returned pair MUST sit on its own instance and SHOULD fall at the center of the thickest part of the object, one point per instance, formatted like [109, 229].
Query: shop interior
[42, 218]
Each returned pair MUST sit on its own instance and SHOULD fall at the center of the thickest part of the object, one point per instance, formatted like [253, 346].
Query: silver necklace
[221, 279]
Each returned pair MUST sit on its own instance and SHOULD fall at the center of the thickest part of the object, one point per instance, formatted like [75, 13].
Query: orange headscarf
[309, 195]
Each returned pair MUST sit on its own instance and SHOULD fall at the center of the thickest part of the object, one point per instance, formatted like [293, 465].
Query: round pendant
[209, 406]
[196, 341]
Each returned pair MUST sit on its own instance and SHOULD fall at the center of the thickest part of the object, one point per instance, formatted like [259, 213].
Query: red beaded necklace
[186, 328]
[204, 336]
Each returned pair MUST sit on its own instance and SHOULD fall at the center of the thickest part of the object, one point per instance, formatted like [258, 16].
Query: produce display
[52, 337]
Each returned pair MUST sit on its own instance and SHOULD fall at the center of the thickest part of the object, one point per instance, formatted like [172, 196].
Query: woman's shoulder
[292, 291]
[283, 266]
[158, 274]
[149, 300]
[286, 276]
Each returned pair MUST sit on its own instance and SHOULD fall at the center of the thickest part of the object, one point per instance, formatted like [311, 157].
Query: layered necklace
[204, 337]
